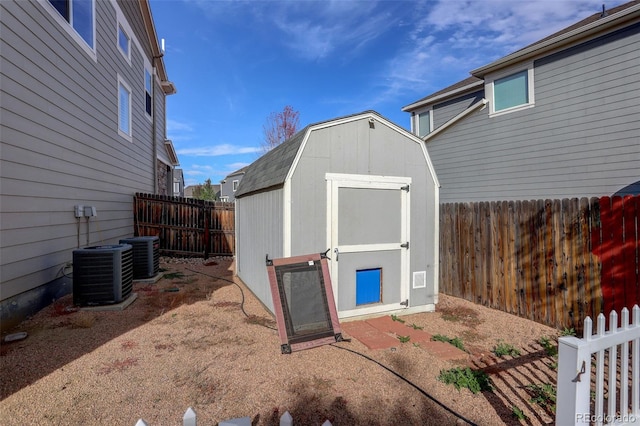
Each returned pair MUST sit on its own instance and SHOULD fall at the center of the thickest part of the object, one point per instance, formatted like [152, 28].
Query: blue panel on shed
[368, 283]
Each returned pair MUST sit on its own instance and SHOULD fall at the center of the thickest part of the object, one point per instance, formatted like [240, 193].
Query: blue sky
[235, 62]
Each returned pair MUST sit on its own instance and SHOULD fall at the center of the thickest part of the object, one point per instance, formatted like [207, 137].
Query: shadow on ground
[61, 333]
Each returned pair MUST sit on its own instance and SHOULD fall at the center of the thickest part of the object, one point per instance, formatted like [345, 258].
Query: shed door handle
[337, 252]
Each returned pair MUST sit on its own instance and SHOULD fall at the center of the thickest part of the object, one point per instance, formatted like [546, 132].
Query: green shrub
[549, 347]
[544, 395]
[518, 413]
[476, 381]
[456, 341]
[502, 349]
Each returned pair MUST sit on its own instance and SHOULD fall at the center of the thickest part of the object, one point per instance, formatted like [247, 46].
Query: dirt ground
[195, 340]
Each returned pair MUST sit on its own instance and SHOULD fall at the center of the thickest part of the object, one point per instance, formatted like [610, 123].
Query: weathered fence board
[186, 226]
[552, 261]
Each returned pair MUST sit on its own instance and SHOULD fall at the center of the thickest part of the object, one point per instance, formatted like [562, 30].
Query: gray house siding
[445, 111]
[581, 139]
[60, 144]
[261, 234]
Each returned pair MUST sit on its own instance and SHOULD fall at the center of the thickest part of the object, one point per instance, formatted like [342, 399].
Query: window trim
[415, 122]
[127, 54]
[127, 136]
[489, 89]
[147, 69]
[73, 33]
[234, 185]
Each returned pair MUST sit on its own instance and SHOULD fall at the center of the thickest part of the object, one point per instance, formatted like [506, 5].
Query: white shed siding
[259, 232]
[59, 141]
[354, 148]
[581, 139]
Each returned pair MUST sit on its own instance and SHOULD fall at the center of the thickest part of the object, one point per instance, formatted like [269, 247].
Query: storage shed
[360, 187]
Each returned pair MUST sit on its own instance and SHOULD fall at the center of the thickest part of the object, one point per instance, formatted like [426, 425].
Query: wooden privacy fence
[186, 226]
[552, 261]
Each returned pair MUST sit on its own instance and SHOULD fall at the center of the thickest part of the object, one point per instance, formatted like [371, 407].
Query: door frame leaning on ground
[337, 181]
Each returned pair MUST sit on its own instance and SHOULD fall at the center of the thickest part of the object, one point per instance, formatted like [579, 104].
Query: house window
[124, 109]
[235, 185]
[176, 187]
[422, 123]
[80, 14]
[513, 91]
[124, 43]
[148, 90]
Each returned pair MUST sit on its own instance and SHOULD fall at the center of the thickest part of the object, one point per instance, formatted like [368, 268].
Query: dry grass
[196, 347]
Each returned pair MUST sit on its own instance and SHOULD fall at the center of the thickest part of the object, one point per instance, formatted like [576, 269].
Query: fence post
[574, 365]
[286, 419]
[189, 418]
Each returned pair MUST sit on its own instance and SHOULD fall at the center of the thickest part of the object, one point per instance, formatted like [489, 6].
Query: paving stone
[368, 335]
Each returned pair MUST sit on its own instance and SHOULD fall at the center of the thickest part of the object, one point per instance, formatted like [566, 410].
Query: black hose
[404, 379]
[409, 382]
[237, 285]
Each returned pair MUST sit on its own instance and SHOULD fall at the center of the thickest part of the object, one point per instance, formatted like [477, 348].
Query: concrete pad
[114, 307]
[151, 280]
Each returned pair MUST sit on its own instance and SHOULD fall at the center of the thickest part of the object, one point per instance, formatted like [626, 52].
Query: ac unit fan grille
[102, 277]
[146, 256]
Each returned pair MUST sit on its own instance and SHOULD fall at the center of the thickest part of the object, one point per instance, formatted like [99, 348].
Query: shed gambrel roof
[270, 171]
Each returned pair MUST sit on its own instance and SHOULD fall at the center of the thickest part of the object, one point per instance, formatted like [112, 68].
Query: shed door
[368, 228]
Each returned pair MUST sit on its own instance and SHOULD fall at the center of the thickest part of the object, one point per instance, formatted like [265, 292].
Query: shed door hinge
[405, 188]
[405, 245]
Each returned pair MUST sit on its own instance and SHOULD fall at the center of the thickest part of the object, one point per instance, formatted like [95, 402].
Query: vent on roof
[604, 12]
[102, 275]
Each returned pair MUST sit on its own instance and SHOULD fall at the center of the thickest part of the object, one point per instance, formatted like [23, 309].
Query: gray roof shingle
[270, 170]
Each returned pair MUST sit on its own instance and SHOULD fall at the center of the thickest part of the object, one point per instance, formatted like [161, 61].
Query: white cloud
[316, 30]
[177, 126]
[450, 38]
[218, 150]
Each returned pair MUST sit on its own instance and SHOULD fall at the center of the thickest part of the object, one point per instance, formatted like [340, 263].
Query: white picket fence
[189, 419]
[621, 347]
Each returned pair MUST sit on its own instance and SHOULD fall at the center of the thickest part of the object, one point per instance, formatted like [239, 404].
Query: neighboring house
[334, 187]
[556, 119]
[229, 185]
[178, 183]
[82, 90]
[190, 190]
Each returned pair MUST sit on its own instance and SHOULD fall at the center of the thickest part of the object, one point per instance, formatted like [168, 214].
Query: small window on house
[513, 91]
[80, 14]
[423, 123]
[148, 91]
[176, 187]
[124, 43]
[124, 109]
[235, 185]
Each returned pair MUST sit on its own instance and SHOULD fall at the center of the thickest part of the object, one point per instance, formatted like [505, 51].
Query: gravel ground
[190, 340]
